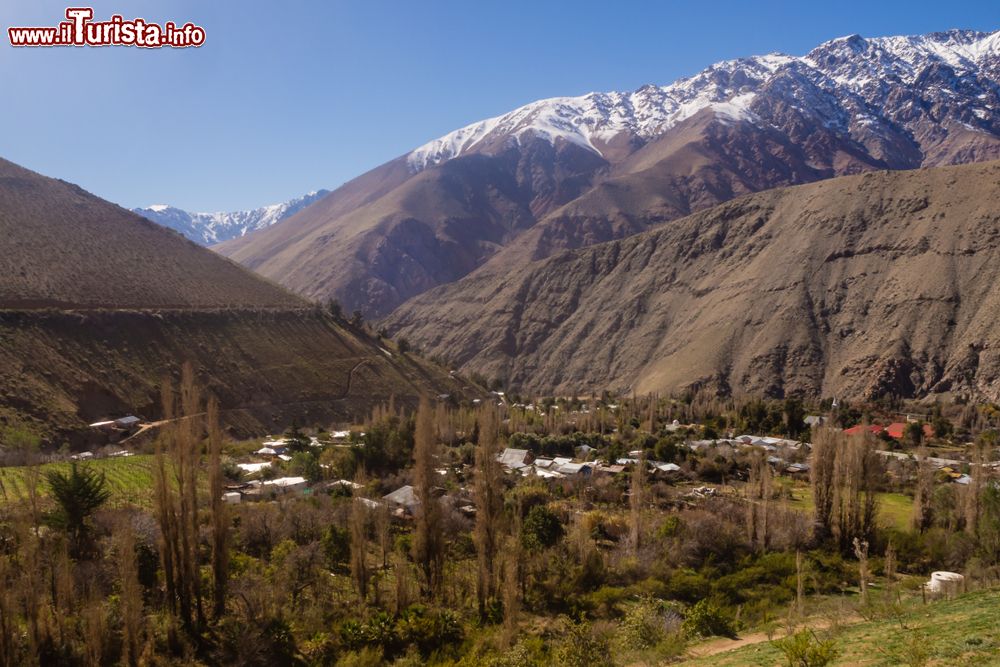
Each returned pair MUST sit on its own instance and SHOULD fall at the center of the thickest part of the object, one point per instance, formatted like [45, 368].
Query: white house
[286, 484]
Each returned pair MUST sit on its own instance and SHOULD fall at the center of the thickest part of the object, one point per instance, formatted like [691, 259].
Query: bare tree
[489, 506]
[861, 552]
[359, 538]
[220, 515]
[824, 454]
[800, 584]
[977, 486]
[176, 495]
[923, 494]
[383, 532]
[428, 540]
[758, 492]
[845, 474]
[637, 498]
[131, 595]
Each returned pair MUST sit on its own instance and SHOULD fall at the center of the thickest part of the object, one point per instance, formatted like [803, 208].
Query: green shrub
[368, 657]
[643, 627]
[518, 655]
[707, 619]
[581, 647]
[688, 586]
[542, 528]
[805, 649]
[428, 631]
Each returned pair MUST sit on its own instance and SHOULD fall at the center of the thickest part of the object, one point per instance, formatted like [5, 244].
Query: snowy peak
[212, 228]
[867, 82]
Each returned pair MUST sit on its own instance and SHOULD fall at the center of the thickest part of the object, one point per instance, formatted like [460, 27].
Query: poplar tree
[428, 541]
[489, 506]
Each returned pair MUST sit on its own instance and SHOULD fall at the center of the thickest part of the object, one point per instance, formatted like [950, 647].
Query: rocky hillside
[882, 283]
[60, 371]
[98, 305]
[62, 247]
[570, 171]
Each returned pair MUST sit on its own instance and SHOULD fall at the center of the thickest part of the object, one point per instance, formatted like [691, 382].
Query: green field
[894, 510]
[964, 631]
[130, 479]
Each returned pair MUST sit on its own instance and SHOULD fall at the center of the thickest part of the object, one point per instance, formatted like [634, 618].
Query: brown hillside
[390, 234]
[98, 305]
[62, 247]
[60, 371]
[871, 284]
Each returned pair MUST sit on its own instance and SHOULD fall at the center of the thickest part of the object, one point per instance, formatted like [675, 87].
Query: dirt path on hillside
[724, 644]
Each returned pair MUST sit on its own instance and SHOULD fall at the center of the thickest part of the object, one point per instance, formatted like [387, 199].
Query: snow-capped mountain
[568, 172]
[870, 89]
[212, 228]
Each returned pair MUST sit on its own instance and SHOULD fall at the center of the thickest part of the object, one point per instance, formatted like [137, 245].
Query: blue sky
[289, 96]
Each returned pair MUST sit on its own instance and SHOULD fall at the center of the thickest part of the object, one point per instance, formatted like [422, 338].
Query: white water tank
[945, 583]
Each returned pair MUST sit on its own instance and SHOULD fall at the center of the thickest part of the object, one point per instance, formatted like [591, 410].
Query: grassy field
[895, 509]
[130, 479]
[963, 631]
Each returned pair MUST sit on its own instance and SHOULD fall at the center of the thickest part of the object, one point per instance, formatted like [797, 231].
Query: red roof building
[898, 429]
[874, 429]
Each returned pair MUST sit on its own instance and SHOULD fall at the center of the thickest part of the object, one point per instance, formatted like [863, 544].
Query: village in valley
[597, 530]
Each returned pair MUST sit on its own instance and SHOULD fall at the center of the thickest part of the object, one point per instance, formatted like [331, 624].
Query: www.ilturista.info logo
[80, 30]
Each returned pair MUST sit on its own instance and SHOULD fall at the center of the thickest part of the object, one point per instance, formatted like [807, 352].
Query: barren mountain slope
[432, 228]
[63, 247]
[861, 285]
[60, 371]
[98, 305]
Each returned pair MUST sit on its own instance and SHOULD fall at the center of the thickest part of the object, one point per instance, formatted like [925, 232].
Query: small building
[797, 469]
[576, 469]
[251, 468]
[127, 422]
[814, 420]
[858, 429]
[272, 449]
[515, 459]
[368, 503]
[285, 485]
[405, 497]
[898, 429]
[232, 497]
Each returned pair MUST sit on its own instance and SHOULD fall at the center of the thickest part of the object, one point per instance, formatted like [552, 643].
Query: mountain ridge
[211, 228]
[567, 172]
